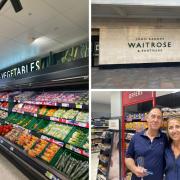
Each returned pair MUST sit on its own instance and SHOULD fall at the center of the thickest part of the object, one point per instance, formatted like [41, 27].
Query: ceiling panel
[34, 12]
[57, 23]
[10, 28]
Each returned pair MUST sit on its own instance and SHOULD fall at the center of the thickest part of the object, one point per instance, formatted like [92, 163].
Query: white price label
[54, 119]
[11, 148]
[35, 115]
[49, 175]
[65, 105]
[1, 141]
[79, 106]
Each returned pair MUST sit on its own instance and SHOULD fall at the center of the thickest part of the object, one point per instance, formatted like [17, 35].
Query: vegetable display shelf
[3, 100]
[56, 141]
[66, 105]
[56, 119]
[5, 109]
[77, 150]
[45, 171]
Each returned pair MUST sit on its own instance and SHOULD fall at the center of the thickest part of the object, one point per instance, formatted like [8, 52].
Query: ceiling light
[41, 40]
[2, 3]
[16, 5]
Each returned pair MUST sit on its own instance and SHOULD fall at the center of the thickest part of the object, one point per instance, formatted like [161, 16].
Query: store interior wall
[116, 104]
[100, 110]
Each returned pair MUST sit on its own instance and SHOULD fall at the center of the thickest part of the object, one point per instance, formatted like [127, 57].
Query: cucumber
[69, 171]
[86, 177]
[80, 173]
[67, 165]
[78, 168]
[61, 162]
[58, 161]
[65, 161]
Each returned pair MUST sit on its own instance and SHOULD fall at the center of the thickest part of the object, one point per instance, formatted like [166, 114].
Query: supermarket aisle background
[153, 78]
[9, 171]
[94, 165]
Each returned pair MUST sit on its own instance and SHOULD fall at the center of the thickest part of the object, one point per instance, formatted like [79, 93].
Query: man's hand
[140, 171]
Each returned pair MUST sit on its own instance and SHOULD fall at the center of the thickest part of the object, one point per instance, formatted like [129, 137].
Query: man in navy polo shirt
[145, 154]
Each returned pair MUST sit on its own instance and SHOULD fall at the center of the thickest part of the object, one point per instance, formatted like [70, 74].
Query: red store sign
[133, 97]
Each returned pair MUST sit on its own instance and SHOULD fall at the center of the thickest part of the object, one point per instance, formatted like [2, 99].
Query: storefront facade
[133, 34]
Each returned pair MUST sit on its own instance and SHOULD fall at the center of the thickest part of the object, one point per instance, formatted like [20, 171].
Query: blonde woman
[172, 152]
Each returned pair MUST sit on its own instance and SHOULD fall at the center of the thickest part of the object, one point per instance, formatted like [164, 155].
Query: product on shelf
[105, 147]
[77, 138]
[82, 117]
[103, 169]
[168, 112]
[4, 129]
[24, 96]
[3, 114]
[4, 105]
[4, 95]
[83, 99]
[71, 97]
[30, 108]
[29, 142]
[59, 113]
[135, 116]
[14, 134]
[51, 112]
[47, 97]
[38, 148]
[50, 152]
[56, 130]
[23, 138]
[101, 177]
[43, 110]
[24, 121]
[18, 108]
[137, 126]
[103, 157]
[164, 125]
[86, 144]
[74, 168]
[62, 97]
[70, 114]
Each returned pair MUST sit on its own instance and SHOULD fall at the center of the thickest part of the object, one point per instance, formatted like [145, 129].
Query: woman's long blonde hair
[169, 119]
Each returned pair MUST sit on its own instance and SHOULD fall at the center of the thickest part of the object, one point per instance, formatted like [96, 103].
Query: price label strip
[51, 176]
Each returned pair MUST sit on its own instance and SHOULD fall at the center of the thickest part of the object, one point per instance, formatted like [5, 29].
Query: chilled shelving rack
[66, 78]
[110, 157]
[99, 125]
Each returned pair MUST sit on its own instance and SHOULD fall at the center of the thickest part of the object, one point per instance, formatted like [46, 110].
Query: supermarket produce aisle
[9, 171]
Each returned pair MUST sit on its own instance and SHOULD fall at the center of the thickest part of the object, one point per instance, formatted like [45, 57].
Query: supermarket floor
[9, 171]
[94, 165]
[135, 78]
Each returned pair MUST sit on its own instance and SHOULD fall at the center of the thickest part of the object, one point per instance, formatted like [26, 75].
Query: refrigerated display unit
[45, 132]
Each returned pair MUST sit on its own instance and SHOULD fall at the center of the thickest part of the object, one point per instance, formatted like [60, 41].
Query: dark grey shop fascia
[69, 65]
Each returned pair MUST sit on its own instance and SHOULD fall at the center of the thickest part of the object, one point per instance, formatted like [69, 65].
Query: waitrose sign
[20, 70]
[139, 45]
